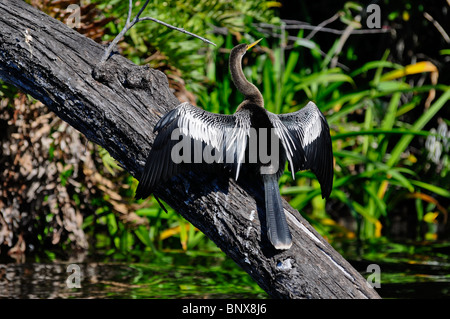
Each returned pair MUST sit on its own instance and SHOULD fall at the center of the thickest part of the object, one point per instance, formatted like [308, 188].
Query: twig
[342, 40]
[130, 23]
[294, 38]
[321, 25]
[178, 29]
[437, 26]
[303, 26]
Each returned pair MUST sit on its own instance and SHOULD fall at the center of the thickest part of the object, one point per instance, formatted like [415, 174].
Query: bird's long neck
[250, 91]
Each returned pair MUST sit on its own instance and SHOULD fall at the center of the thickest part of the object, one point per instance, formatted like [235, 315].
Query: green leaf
[345, 135]
[401, 179]
[322, 78]
[143, 234]
[392, 86]
[418, 125]
[432, 188]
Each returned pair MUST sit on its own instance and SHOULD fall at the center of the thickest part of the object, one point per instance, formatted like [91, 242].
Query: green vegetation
[387, 109]
[380, 118]
[376, 145]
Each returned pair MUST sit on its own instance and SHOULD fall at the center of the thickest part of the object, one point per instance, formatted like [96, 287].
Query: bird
[302, 138]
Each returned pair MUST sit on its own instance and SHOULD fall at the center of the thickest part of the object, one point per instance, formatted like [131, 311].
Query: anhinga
[303, 139]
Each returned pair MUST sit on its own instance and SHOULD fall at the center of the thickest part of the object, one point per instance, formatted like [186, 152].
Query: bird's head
[242, 48]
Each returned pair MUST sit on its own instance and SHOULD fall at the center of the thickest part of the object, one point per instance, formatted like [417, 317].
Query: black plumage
[303, 140]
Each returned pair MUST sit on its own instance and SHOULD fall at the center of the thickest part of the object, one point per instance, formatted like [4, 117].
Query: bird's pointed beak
[253, 44]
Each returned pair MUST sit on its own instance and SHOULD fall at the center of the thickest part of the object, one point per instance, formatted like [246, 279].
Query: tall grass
[371, 132]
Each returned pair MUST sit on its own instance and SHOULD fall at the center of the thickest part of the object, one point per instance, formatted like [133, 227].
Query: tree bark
[116, 105]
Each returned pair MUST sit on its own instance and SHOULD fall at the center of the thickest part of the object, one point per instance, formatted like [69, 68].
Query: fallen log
[116, 105]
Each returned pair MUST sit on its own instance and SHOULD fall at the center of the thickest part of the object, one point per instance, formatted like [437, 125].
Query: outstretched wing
[292, 146]
[309, 128]
[196, 133]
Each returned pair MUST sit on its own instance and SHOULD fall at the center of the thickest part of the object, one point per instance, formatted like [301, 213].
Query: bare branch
[140, 11]
[130, 8]
[295, 39]
[127, 27]
[321, 25]
[301, 25]
[130, 23]
[304, 26]
[178, 29]
[342, 40]
[437, 26]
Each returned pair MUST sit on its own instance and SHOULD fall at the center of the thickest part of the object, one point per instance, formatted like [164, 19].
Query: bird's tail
[277, 227]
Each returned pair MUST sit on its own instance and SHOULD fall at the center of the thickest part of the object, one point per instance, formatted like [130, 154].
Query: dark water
[125, 280]
[406, 271]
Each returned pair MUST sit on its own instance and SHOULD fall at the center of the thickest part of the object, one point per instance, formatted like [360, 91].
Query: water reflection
[35, 280]
[407, 271]
[117, 280]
